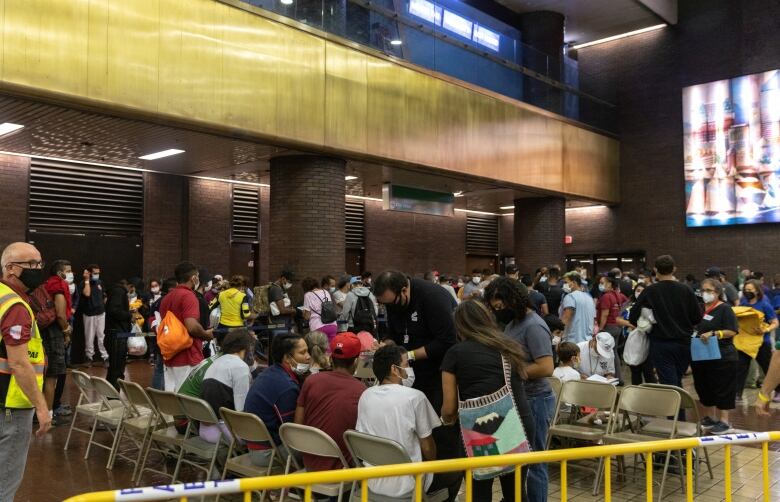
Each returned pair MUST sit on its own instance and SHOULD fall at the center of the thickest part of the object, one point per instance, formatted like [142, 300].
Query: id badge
[406, 339]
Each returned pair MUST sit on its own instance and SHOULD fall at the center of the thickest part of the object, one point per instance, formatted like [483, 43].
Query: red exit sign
[567, 239]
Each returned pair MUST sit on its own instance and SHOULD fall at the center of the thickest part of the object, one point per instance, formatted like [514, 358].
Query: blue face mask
[602, 288]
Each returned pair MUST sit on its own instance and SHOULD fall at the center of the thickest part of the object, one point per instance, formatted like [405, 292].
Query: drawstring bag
[491, 425]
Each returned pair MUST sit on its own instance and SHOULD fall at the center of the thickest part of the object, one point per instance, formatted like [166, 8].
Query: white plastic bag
[636, 348]
[136, 345]
[214, 316]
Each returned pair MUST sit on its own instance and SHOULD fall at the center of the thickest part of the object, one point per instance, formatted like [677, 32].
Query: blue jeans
[542, 409]
[15, 431]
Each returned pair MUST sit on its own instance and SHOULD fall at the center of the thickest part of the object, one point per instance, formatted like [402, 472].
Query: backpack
[363, 315]
[172, 336]
[327, 311]
[43, 307]
[260, 303]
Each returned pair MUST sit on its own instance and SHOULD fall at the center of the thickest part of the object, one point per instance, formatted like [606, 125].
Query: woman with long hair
[478, 367]
[318, 345]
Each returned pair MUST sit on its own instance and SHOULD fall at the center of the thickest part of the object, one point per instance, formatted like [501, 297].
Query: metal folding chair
[166, 440]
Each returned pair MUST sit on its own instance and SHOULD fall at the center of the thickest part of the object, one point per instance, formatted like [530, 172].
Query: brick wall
[208, 225]
[506, 235]
[539, 228]
[14, 189]
[714, 39]
[164, 219]
[414, 243]
[307, 215]
[265, 229]
[593, 229]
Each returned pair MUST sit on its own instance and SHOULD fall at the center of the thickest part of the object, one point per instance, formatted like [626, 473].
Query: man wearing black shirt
[676, 311]
[552, 289]
[419, 318]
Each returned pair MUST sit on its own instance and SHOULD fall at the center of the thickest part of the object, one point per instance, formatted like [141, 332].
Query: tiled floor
[65, 473]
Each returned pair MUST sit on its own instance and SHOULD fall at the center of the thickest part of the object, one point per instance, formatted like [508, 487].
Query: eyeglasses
[29, 264]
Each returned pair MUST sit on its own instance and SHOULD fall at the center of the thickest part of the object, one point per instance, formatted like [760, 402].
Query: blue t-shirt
[580, 326]
[764, 306]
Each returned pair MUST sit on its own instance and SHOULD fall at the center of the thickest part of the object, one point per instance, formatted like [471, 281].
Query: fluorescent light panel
[7, 128]
[395, 42]
[477, 212]
[597, 206]
[507, 207]
[160, 155]
[622, 35]
[350, 178]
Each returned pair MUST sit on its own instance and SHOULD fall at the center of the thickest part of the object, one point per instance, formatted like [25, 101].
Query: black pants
[482, 491]
[642, 373]
[670, 358]
[763, 358]
[117, 358]
[617, 333]
[58, 391]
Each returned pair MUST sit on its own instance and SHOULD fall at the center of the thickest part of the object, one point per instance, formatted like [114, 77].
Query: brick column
[307, 215]
[14, 196]
[540, 227]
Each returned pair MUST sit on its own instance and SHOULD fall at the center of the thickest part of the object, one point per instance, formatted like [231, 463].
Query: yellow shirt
[233, 308]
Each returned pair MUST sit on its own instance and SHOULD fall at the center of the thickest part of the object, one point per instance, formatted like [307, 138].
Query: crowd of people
[442, 350]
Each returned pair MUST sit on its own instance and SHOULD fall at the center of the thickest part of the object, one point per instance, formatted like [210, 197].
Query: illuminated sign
[486, 37]
[426, 10]
[457, 24]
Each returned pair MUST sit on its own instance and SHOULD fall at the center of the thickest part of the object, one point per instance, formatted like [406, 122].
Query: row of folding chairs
[145, 416]
[635, 414]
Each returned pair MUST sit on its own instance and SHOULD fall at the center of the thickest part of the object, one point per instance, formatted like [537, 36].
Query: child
[569, 355]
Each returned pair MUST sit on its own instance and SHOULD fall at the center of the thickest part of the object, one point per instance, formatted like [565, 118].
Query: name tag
[707, 317]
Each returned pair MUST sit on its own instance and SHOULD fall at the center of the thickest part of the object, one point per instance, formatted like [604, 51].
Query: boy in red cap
[329, 399]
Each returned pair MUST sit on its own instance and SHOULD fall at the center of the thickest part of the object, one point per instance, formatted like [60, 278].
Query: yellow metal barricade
[418, 470]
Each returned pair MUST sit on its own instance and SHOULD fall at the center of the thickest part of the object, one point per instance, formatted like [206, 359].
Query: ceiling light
[617, 37]
[160, 155]
[471, 211]
[395, 42]
[507, 207]
[458, 194]
[7, 128]
[350, 178]
[595, 206]
[286, 2]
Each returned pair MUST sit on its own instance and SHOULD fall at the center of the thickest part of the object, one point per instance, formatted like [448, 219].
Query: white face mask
[69, 277]
[208, 285]
[556, 340]
[602, 288]
[287, 285]
[72, 288]
[155, 290]
[460, 284]
[95, 277]
[409, 380]
[708, 297]
[332, 290]
[566, 288]
[301, 368]
[476, 279]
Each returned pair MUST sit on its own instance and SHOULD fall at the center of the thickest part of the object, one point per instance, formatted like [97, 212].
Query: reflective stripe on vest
[14, 396]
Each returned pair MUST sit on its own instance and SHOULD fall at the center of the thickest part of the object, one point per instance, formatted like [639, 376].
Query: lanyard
[707, 311]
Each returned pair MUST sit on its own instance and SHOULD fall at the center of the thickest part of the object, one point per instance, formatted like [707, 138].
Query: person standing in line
[578, 311]
[609, 307]
[118, 325]
[93, 305]
[21, 346]
[676, 310]
[753, 296]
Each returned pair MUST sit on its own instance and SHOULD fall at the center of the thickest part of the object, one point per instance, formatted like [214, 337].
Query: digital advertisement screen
[731, 143]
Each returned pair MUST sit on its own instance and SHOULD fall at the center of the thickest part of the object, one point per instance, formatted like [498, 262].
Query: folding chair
[144, 419]
[555, 384]
[305, 439]
[684, 429]
[86, 405]
[564, 426]
[373, 450]
[167, 440]
[110, 415]
[635, 404]
[365, 370]
[202, 452]
[249, 427]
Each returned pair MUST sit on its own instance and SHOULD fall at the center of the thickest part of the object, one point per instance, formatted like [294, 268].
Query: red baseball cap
[345, 346]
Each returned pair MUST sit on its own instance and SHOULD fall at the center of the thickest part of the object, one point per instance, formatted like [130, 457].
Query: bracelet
[762, 397]
[720, 334]
[410, 355]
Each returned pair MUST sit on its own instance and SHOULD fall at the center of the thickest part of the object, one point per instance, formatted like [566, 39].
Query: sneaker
[720, 428]
[708, 423]
[63, 411]
[739, 401]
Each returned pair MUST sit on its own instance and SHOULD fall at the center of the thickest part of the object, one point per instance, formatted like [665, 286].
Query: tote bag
[491, 425]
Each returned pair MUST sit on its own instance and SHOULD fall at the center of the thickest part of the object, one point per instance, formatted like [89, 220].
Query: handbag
[491, 425]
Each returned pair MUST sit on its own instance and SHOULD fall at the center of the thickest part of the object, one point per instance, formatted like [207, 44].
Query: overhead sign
[417, 200]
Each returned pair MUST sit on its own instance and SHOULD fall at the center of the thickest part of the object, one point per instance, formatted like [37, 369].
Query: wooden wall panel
[209, 64]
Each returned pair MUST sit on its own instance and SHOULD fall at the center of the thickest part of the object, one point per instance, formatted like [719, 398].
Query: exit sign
[567, 239]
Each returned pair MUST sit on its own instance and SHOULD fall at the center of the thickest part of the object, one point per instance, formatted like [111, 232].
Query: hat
[605, 344]
[713, 272]
[205, 276]
[345, 346]
[354, 280]
[218, 277]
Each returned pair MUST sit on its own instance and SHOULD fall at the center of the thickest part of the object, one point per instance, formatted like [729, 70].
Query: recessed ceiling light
[159, 155]
[286, 2]
[350, 178]
[507, 207]
[395, 42]
[618, 37]
[7, 128]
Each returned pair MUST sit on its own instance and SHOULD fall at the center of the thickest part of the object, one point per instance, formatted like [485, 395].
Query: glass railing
[460, 41]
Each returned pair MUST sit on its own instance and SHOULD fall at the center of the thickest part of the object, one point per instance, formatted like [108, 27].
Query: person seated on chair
[393, 410]
[329, 400]
[569, 355]
[274, 394]
[597, 356]
[226, 382]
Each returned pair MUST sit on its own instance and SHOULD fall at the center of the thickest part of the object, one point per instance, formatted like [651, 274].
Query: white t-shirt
[404, 415]
[591, 363]
[566, 373]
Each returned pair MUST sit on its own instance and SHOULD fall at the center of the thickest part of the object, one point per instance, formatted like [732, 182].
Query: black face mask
[750, 295]
[505, 316]
[31, 277]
